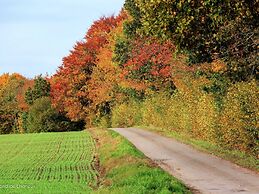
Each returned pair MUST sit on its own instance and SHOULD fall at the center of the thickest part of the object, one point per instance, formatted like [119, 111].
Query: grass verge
[235, 156]
[124, 169]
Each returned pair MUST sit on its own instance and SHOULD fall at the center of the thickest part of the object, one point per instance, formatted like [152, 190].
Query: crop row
[49, 157]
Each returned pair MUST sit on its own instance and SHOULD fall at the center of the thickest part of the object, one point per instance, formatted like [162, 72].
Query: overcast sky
[36, 34]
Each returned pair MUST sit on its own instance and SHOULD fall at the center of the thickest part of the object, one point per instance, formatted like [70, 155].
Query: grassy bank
[235, 156]
[123, 169]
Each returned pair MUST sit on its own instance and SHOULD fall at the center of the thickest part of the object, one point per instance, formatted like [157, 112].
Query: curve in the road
[203, 172]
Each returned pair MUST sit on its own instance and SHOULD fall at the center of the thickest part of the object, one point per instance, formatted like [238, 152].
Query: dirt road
[200, 171]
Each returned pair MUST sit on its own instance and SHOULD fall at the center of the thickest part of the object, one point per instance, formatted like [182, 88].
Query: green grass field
[47, 163]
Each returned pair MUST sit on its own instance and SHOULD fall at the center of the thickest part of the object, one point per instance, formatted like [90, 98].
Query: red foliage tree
[69, 85]
[150, 62]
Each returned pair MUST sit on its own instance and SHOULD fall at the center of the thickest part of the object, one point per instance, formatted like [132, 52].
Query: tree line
[193, 64]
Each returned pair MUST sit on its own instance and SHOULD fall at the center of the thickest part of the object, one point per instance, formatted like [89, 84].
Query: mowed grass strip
[47, 163]
[125, 170]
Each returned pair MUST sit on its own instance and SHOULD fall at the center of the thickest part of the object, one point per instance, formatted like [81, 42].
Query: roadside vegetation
[192, 116]
[125, 170]
[238, 157]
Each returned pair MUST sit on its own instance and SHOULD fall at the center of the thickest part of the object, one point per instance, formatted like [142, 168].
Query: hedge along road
[200, 171]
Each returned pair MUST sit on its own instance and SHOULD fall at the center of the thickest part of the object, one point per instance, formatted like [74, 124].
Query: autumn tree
[105, 78]
[4, 79]
[70, 91]
[146, 61]
[9, 107]
[205, 30]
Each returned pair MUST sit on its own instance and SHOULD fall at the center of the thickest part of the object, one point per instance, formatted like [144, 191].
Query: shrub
[154, 110]
[43, 118]
[104, 122]
[126, 114]
[187, 113]
[239, 120]
[194, 112]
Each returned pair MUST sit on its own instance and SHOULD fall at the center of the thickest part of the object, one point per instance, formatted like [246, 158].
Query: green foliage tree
[239, 49]
[121, 52]
[206, 29]
[41, 88]
[131, 25]
[42, 117]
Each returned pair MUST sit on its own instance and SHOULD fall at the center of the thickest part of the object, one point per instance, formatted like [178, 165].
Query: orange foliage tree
[70, 91]
[10, 100]
[105, 80]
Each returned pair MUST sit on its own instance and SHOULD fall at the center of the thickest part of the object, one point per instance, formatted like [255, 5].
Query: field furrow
[47, 160]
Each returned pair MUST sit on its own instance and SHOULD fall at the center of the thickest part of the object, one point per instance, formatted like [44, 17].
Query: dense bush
[126, 114]
[7, 122]
[43, 118]
[154, 108]
[240, 117]
[194, 112]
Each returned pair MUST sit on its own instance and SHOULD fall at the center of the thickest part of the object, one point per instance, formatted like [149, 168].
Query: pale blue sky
[36, 34]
